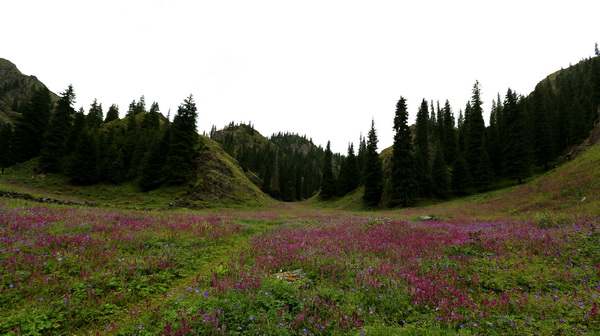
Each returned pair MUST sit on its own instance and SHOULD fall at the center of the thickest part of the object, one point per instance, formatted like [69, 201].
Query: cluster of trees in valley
[445, 153]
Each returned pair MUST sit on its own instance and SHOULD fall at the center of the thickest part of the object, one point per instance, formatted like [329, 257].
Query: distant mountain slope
[285, 166]
[15, 90]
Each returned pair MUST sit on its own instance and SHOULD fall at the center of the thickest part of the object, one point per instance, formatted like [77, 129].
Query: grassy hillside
[221, 183]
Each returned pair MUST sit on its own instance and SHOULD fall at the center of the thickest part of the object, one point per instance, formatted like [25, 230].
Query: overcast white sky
[321, 68]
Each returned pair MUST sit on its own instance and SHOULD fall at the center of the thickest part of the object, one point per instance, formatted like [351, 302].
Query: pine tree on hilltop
[54, 147]
[327, 180]
[403, 165]
[112, 114]
[183, 151]
[94, 116]
[373, 170]
[29, 129]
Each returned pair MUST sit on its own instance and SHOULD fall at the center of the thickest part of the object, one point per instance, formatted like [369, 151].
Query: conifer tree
[543, 140]
[30, 127]
[373, 170]
[361, 158]
[517, 165]
[352, 176]
[54, 147]
[327, 179]
[79, 124]
[449, 139]
[475, 131]
[95, 116]
[183, 151]
[421, 144]
[403, 166]
[496, 137]
[112, 114]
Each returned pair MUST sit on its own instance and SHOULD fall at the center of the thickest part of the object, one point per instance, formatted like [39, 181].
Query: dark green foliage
[95, 116]
[461, 178]
[373, 170]
[449, 136]
[183, 149]
[6, 134]
[403, 179]
[54, 148]
[83, 162]
[475, 131]
[30, 127]
[327, 178]
[516, 150]
[421, 145]
[361, 158]
[112, 114]
[349, 174]
[484, 174]
[440, 175]
[79, 124]
[151, 119]
[152, 173]
[496, 138]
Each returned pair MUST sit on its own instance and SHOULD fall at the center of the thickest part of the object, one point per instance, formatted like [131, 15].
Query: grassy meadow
[521, 261]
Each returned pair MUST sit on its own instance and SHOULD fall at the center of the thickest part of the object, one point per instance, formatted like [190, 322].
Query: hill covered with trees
[446, 152]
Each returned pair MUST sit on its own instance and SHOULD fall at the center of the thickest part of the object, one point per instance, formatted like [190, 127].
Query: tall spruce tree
[54, 147]
[183, 149]
[403, 166]
[373, 170]
[31, 125]
[474, 140]
[518, 164]
[328, 179]
[421, 144]
[543, 140]
[352, 176]
[449, 140]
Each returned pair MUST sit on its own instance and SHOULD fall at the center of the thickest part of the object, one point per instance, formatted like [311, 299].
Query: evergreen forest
[449, 151]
